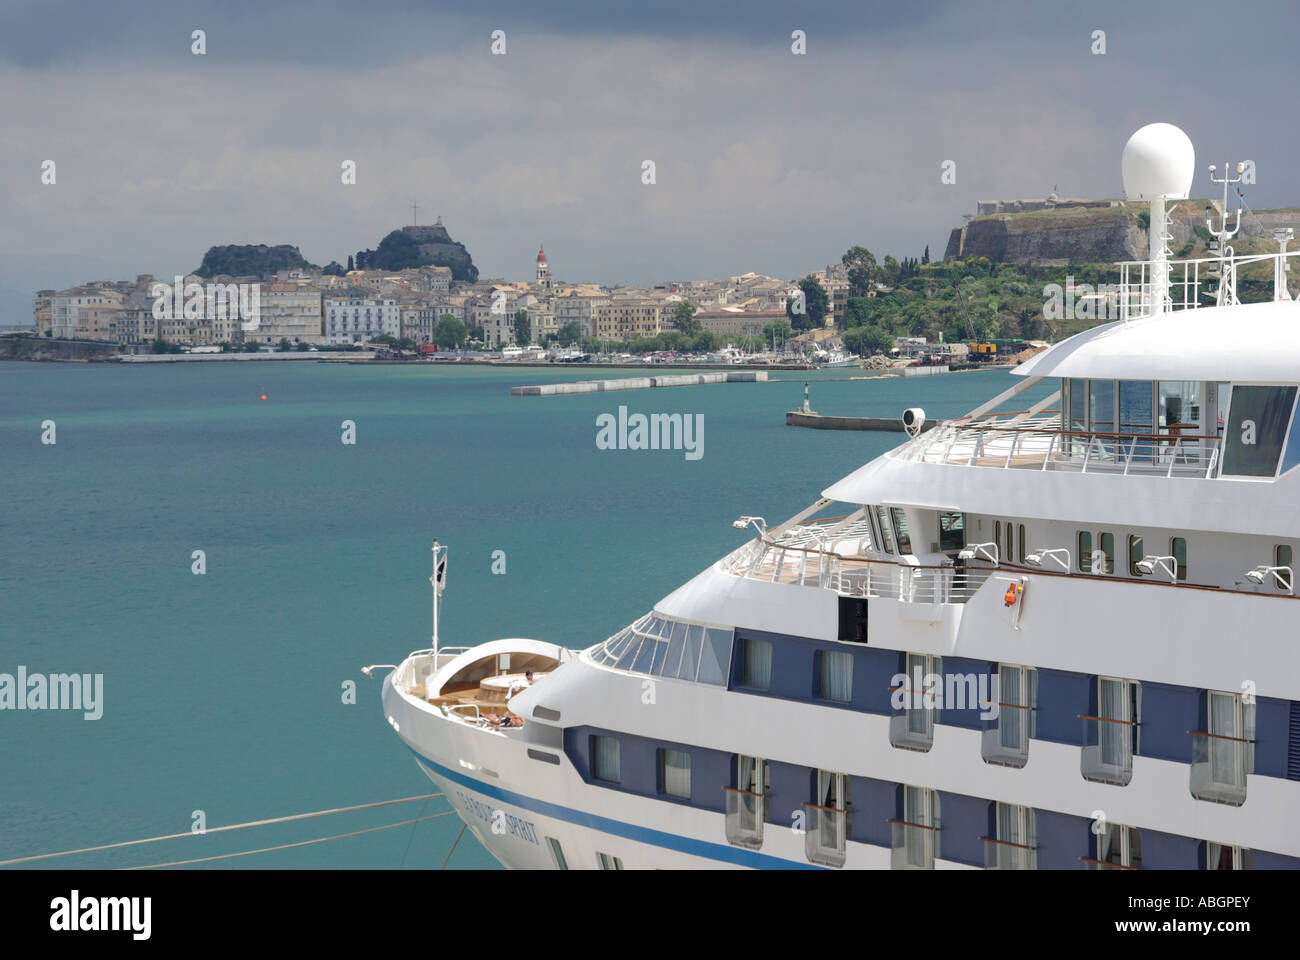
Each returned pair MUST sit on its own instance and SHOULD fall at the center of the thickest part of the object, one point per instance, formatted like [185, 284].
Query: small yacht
[1053, 633]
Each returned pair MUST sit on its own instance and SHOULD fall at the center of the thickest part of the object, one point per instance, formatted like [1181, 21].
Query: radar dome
[1158, 161]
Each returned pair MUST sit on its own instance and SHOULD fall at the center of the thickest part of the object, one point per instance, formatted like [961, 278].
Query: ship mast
[437, 583]
[1227, 272]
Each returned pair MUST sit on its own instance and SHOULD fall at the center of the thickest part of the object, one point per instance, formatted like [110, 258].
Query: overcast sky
[765, 160]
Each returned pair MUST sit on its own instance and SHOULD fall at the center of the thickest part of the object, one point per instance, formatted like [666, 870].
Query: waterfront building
[358, 319]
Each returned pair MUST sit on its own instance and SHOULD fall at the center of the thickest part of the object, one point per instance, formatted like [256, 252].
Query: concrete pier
[638, 383]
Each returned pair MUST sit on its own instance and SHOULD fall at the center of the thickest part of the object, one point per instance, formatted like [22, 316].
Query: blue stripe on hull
[658, 838]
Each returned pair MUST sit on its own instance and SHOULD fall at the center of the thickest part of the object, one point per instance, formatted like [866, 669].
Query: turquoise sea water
[223, 692]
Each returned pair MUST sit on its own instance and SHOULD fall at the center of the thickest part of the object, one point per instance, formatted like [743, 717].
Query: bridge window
[1085, 551]
[900, 528]
[1022, 542]
[997, 537]
[1178, 550]
[952, 531]
[886, 534]
[1101, 406]
[1258, 420]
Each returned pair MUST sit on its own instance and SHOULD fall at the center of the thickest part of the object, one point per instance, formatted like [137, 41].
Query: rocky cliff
[1092, 234]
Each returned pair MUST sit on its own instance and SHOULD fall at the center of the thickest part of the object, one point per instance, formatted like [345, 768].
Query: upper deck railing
[1016, 441]
[848, 564]
[1183, 286]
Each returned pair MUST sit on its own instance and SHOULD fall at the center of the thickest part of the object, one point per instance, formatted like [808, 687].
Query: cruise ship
[1054, 633]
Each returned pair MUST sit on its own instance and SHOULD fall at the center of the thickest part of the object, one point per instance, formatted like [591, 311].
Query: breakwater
[638, 383]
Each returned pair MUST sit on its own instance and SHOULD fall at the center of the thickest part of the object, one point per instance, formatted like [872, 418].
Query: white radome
[1158, 161]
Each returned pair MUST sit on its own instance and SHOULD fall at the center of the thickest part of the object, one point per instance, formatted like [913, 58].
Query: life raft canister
[1012, 595]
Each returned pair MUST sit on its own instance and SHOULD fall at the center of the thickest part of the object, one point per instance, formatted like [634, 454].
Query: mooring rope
[286, 846]
[233, 826]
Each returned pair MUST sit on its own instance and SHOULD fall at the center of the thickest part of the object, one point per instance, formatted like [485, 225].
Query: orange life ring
[1012, 595]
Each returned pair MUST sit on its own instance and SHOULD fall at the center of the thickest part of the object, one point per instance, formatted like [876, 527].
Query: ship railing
[1005, 855]
[1184, 279]
[457, 708]
[862, 575]
[914, 846]
[1039, 444]
[418, 661]
[746, 812]
[1090, 864]
[1107, 752]
[826, 834]
[1219, 767]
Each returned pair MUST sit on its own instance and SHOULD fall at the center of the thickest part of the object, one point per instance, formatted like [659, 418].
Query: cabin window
[606, 753]
[1120, 846]
[1021, 533]
[997, 538]
[1282, 558]
[1257, 423]
[900, 528]
[675, 773]
[886, 534]
[835, 675]
[1016, 839]
[1178, 550]
[608, 862]
[1108, 550]
[1221, 856]
[757, 668]
[1135, 555]
[557, 854]
[1085, 551]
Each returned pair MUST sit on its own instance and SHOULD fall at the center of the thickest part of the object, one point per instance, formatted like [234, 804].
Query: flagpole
[433, 582]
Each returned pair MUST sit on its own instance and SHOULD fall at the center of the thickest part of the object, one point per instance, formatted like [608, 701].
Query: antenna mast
[1227, 292]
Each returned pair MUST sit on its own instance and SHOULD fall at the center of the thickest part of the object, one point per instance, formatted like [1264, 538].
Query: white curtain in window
[1111, 736]
[1226, 766]
[607, 756]
[677, 773]
[758, 663]
[836, 668]
[918, 809]
[1012, 722]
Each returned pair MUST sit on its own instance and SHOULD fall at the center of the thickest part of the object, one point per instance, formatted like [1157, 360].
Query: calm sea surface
[223, 692]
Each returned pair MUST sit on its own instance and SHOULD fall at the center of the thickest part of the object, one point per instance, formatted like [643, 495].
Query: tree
[815, 303]
[159, 345]
[857, 312]
[333, 269]
[704, 342]
[778, 332]
[351, 267]
[284, 346]
[861, 264]
[449, 332]
[569, 334]
[925, 257]
[522, 335]
[252, 346]
[890, 271]
[684, 319]
[302, 346]
[866, 341]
